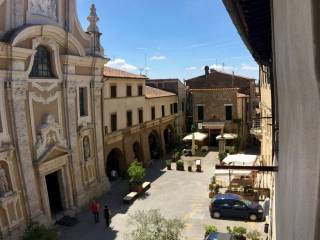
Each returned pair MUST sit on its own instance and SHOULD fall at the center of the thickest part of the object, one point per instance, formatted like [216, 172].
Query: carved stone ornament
[86, 148]
[49, 134]
[93, 19]
[45, 8]
[4, 184]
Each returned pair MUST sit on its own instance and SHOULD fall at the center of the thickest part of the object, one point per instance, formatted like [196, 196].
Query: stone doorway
[115, 165]
[54, 193]
[154, 145]
[137, 151]
[213, 134]
[168, 135]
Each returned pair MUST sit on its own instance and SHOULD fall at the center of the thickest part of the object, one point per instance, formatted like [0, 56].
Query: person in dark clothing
[107, 215]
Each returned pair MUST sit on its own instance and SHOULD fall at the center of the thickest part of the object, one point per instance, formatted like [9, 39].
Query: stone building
[140, 122]
[51, 131]
[220, 103]
[283, 37]
[179, 88]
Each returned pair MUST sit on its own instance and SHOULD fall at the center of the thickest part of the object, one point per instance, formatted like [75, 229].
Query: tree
[151, 225]
[38, 231]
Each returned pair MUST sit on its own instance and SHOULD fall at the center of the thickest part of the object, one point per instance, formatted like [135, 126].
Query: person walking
[107, 215]
[95, 208]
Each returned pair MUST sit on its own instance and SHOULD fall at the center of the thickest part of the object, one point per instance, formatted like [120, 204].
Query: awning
[198, 136]
[227, 136]
[241, 159]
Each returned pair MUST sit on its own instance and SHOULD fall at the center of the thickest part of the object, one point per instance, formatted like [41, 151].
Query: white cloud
[121, 64]
[224, 68]
[248, 67]
[191, 68]
[158, 57]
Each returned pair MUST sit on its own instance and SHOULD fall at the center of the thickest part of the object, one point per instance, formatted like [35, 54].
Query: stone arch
[115, 162]
[154, 145]
[168, 137]
[55, 33]
[137, 151]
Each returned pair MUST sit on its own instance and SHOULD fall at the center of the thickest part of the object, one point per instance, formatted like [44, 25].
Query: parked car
[187, 152]
[219, 236]
[234, 206]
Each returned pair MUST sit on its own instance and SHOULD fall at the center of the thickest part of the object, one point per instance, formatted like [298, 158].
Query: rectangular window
[129, 118]
[182, 106]
[129, 90]
[228, 111]
[200, 113]
[153, 113]
[171, 108]
[140, 114]
[1, 128]
[175, 107]
[140, 90]
[113, 91]
[113, 122]
[163, 111]
[83, 101]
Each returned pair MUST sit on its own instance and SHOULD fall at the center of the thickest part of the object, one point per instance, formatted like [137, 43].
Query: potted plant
[210, 229]
[238, 233]
[254, 235]
[168, 163]
[222, 156]
[180, 165]
[136, 175]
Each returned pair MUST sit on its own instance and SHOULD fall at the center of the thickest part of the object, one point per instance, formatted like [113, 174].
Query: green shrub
[168, 162]
[180, 163]
[254, 235]
[136, 172]
[210, 229]
[38, 231]
[222, 156]
[237, 231]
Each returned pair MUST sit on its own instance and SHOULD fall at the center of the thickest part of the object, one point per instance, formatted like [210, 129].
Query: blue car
[234, 206]
[219, 236]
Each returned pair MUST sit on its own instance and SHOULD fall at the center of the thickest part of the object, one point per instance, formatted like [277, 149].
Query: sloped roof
[216, 79]
[156, 92]
[117, 73]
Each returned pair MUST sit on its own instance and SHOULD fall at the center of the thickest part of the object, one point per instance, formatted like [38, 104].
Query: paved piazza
[175, 193]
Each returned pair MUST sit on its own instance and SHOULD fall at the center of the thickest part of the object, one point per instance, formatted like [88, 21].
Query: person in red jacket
[95, 208]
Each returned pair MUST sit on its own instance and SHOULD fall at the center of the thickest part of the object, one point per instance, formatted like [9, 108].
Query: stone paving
[175, 193]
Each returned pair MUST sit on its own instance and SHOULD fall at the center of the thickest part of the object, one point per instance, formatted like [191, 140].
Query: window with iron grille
[41, 67]
[153, 113]
[228, 112]
[171, 108]
[114, 122]
[129, 90]
[83, 101]
[200, 113]
[140, 114]
[129, 118]
[175, 107]
[163, 111]
[113, 91]
[140, 90]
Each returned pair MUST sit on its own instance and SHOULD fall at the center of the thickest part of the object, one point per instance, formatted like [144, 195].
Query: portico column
[19, 104]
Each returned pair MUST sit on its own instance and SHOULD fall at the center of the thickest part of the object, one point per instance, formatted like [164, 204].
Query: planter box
[136, 187]
[180, 167]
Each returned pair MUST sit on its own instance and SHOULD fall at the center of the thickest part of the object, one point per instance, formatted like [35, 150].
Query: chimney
[206, 69]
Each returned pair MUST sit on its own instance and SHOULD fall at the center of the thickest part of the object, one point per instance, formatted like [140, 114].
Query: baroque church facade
[51, 130]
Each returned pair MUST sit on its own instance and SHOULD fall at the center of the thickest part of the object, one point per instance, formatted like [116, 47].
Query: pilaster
[19, 95]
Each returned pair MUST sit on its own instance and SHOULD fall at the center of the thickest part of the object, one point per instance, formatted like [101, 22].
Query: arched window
[42, 64]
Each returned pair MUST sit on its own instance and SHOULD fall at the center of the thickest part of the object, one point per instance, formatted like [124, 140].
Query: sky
[169, 38]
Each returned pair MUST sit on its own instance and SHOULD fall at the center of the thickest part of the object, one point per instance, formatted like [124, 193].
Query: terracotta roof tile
[112, 72]
[156, 92]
